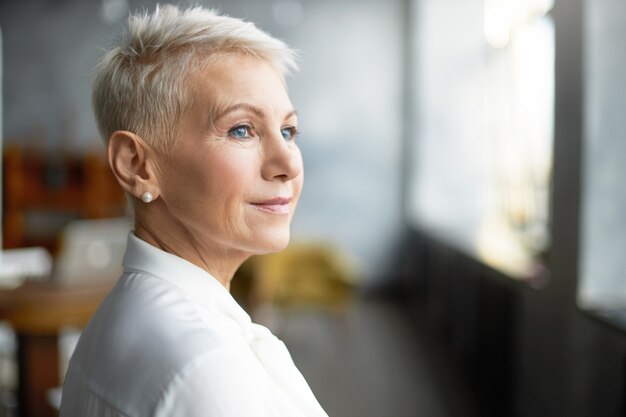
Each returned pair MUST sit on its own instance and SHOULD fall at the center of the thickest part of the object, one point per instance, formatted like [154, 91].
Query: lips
[277, 205]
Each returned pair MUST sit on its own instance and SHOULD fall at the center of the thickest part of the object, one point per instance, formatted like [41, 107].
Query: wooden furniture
[43, 191]
[38, 312]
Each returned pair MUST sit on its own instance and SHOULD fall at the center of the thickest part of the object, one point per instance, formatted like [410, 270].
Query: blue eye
[240, 132]
[289, 133]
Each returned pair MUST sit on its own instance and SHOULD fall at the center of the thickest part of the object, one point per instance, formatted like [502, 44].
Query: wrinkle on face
[210, 180]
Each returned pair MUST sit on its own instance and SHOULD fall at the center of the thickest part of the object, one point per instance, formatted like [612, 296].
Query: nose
[282, 159]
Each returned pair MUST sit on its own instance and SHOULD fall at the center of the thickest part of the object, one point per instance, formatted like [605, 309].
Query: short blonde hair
[142, 86]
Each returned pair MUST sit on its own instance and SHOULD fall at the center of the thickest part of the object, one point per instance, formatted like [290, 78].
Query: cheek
[234, 175]
[188, 180]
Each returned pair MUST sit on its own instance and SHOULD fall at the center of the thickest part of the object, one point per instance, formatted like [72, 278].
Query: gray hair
[142, 84]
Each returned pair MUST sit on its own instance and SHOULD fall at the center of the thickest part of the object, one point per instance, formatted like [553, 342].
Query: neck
[177, 240]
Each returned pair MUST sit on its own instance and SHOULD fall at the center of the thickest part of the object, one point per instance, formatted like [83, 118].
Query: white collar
[210, 293]
[193, 280]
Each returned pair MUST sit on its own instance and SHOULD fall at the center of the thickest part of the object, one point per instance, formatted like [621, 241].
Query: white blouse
[171, 341]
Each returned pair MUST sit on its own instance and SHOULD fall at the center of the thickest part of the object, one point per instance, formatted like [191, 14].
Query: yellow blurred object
[303, 275]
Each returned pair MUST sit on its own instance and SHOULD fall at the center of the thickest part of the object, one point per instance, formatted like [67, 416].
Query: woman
[200, 134]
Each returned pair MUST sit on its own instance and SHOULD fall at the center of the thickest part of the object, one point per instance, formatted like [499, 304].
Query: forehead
[237, 79]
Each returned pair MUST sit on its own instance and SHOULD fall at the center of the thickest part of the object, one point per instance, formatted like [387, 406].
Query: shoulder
[146, 335]
[221, 383]
[148, 315]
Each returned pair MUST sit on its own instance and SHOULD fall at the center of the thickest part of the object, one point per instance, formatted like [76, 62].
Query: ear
[132, 163]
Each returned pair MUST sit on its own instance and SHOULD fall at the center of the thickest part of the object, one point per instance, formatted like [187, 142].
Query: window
[603, 257]
[483, 144]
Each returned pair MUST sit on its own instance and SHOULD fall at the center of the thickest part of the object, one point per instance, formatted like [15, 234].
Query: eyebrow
[254, 109]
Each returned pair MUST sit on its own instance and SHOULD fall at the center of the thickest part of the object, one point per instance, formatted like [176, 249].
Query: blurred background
[458, 248]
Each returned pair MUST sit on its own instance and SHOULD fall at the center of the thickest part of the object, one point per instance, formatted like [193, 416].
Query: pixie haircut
[142, 85]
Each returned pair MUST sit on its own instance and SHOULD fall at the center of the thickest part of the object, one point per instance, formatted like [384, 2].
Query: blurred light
[503, 17]
[519, 113]
[497, 25]
[498, 246]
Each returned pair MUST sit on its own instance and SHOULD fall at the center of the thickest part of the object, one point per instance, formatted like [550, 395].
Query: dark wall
[522, 352]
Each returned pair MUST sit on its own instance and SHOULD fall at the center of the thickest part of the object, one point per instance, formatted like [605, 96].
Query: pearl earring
[147, 197]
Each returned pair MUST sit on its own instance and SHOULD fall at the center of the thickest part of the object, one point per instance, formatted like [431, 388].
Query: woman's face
[235, 175]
